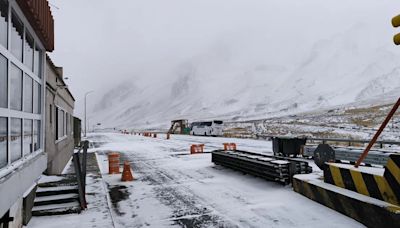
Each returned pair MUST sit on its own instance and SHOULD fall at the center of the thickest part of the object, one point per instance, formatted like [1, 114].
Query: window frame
[7, 112]
[50, 114]
[62, 123]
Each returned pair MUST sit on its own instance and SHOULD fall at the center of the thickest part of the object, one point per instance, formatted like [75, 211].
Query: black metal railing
[80, 159]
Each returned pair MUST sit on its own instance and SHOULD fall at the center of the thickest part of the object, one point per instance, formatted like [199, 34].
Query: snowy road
[173, 188]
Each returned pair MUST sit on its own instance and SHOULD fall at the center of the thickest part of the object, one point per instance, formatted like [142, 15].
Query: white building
[26, 33]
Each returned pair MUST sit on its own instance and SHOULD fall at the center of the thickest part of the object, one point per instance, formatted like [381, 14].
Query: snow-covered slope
[217, 83]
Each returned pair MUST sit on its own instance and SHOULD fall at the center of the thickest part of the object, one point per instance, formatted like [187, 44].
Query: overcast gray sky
[100, 43]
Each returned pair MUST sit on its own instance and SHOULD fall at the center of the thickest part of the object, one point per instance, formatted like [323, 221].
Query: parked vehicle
[207, 128]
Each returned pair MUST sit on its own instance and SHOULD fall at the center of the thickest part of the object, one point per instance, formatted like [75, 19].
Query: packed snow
[175, 189]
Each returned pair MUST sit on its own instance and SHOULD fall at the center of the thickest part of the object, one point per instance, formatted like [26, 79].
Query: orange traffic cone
[127, 173]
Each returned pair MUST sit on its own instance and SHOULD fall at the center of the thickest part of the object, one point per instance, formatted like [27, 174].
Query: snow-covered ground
[349, 122]
[173, 188]
[98, 212]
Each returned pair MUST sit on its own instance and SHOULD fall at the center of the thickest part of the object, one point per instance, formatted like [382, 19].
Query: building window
[37, 62]
[36, 98]
[28, 139]
[17, 33]
[36, 135]
[56, 119]
[3, 82]
[72, 125]
[66, 124]
[3, 23]
[3, 142]
[21, 93]
[16, 139]
[60, 124]
[28, 94]
[15, 88]
[50, 114]
[28, 59]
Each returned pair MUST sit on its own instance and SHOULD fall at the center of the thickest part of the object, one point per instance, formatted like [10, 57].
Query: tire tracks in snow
[189, 210]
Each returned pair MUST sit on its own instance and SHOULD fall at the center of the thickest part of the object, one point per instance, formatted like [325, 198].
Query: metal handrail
[80, 171]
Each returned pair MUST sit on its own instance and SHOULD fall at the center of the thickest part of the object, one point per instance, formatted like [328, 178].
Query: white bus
[207, 128]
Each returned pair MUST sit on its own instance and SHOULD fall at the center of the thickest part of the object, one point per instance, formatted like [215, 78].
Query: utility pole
[86, 94]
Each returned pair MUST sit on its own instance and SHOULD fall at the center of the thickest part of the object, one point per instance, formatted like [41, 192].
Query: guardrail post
[84, 164]
[78, 172]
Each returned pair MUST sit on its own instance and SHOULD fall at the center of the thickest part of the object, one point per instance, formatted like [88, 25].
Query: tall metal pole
[85, 110]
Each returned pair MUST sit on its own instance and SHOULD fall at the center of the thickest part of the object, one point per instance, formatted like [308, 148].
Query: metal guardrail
[324, 140]
[375, 157]
[80, 171]
[381, 142]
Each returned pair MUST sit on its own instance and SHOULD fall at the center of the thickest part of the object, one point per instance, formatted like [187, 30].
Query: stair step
[64, 180]
[56, 199]
[48, 191]
[56, 209]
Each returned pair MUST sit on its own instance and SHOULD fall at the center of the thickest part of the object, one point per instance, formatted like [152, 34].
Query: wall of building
[59, 114]
[22, 88]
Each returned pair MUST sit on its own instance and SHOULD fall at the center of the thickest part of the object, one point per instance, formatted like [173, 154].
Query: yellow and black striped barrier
[386, 187]
[370, 212]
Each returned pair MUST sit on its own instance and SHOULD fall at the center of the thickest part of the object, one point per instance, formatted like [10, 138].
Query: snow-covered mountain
[217, 83]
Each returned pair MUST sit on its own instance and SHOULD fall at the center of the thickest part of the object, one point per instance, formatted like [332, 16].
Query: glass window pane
[28, 60]
[16, 139]
[28, 139]
[3, 22]
[57, 126]
[28, 94]
[50, 115]
[3, 142]
[3, 82]
[37, 62]
[15, 88]
[17, 31]
[36, 135]
[36, 98]
[60, 124]
[65, 124]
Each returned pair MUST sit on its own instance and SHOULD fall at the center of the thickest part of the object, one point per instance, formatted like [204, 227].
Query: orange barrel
[201, 148]
[113, 163]
[225, 146]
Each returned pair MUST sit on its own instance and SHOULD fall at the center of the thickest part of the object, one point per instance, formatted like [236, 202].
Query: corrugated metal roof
[39, 16]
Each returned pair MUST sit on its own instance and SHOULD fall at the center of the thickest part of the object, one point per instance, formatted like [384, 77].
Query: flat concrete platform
[366, 210]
